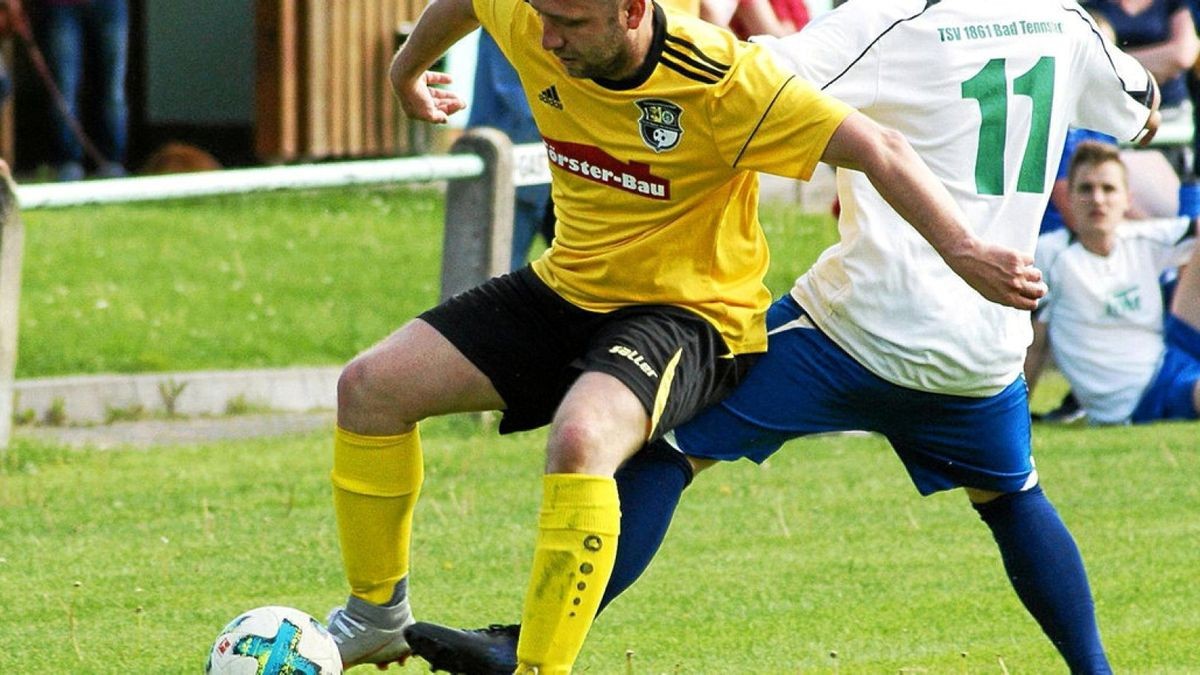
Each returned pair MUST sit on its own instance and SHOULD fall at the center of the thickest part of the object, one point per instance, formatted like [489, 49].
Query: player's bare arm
[998, 273]
[443, 23]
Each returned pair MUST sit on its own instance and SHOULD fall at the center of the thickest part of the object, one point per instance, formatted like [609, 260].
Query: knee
[577, 446]
[354, 384]
[1003, 504]
[978, 496]
[699, 464]
[364, 392]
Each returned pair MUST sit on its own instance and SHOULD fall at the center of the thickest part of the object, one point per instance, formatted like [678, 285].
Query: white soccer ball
[274, 641]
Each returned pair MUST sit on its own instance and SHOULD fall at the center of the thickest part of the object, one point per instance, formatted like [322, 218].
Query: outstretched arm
[1000, 274]
[443, 23]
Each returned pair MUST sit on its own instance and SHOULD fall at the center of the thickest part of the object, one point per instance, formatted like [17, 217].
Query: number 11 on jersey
[990, 88]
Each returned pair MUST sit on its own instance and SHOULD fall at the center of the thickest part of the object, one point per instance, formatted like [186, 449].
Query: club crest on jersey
[660, 123]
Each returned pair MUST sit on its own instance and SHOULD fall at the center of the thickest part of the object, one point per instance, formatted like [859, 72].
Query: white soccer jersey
[986, 102]
[1105, 314]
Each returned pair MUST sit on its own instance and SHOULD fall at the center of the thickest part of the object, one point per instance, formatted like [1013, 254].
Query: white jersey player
[880, 335]
[985, 99]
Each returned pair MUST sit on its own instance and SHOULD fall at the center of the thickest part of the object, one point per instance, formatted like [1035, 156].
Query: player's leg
[1172, 394]
[649, 486]
[984, 444]
[437, 364]
[779, 399]
[646, 369]
[1046, 571]
[599, 424]
[650, 482]
[1183, 324]
[377, 474]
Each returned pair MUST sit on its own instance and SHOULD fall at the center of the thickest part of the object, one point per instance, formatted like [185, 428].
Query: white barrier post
[11, 248]
[479, 214]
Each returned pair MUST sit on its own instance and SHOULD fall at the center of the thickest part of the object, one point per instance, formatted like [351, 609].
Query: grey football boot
[370, 633]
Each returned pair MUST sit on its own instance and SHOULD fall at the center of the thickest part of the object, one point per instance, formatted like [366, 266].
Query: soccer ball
[274, 641]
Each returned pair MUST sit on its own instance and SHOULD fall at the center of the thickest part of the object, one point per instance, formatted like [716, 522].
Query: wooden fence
[322, 79]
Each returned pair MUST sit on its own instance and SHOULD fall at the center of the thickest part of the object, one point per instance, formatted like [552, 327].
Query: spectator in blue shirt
[498, 101]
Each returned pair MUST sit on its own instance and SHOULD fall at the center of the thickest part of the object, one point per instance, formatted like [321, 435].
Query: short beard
[615, 68]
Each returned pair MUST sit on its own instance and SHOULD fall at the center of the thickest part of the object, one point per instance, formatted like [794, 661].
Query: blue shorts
[1171, 395]
[806, 384]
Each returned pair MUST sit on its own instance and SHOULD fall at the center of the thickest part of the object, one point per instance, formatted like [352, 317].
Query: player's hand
[1150, 129]
[420, 101]
[1000, 274]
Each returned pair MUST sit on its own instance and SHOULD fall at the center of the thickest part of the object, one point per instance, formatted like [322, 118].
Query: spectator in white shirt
[1103, 318]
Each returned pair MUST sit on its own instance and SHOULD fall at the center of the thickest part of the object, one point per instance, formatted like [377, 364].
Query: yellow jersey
[654, 178]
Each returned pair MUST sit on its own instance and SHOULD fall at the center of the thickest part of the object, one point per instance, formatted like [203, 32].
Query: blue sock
[1046, 570]
[649, 485]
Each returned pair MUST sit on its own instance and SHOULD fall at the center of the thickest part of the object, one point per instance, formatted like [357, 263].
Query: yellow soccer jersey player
[654, 181]
[655, 125]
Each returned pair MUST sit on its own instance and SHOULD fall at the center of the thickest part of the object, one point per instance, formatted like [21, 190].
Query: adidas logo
[549, 96]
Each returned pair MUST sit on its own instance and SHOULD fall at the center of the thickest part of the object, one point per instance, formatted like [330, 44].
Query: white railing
[482, 171]
[237, 181]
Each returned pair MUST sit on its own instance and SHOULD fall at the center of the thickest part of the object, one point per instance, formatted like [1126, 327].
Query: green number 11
[990, 87]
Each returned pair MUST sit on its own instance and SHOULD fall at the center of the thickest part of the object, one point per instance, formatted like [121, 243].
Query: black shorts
[532, 344]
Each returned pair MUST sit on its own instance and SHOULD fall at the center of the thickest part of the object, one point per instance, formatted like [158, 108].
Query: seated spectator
[499, 102]
[1153, 183]
[1058, 212]
[1103, 318]
[1149, 173]
[1161, 34]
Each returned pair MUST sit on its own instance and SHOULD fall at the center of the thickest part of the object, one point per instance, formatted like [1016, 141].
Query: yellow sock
[576, 547]
[376, 481]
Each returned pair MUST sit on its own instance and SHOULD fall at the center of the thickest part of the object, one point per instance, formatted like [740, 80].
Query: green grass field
[130, 561]
[264, 280]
